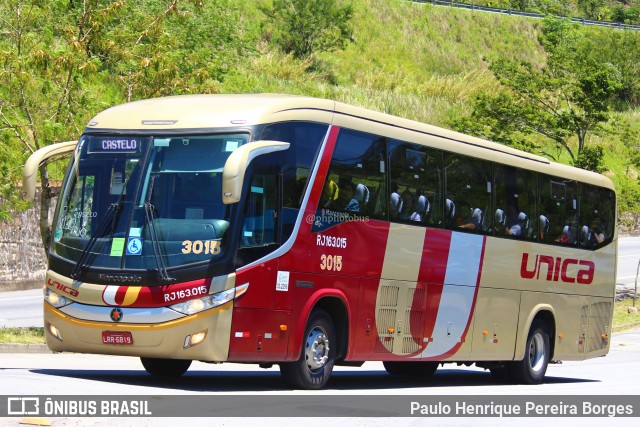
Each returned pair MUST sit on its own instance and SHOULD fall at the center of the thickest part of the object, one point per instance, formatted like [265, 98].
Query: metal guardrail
[583, 21]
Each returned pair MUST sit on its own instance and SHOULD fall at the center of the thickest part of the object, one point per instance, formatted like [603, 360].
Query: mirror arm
[237, 164]
[30, 175]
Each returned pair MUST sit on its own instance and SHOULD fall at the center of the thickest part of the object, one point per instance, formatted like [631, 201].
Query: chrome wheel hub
[536, 353]
[316, 348]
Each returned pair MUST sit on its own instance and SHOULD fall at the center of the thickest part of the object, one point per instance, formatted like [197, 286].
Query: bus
[307, 233]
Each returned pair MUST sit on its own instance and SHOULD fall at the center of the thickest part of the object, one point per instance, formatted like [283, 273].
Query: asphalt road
[95, 375]
[628, 260]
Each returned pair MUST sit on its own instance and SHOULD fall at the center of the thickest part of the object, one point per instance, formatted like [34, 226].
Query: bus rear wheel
[170, 368]
[313, 369]
[421, 369]
[533, 367]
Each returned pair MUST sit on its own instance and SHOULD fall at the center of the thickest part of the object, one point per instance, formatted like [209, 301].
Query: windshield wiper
[155, 243]
[149, 216]
[100, 229]
[111, 213]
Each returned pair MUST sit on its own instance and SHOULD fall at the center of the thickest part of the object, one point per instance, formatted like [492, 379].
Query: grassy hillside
[427, 63]
[414, 60]
[418, 61]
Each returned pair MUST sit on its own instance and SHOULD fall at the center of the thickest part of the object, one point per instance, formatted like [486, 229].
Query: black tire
[532, 369]
[313, 369]
[169, 368]
[420, 369]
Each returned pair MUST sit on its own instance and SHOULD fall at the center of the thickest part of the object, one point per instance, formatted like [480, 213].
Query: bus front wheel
[165, 367]
[532, 368]
[313, 369]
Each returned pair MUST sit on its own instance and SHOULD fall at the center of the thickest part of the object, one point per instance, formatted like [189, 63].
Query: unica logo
[61, 287]
[557, 269]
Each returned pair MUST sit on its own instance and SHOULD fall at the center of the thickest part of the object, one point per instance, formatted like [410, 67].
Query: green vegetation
[30, 335]
[62, 61]
[622, 318]
[626, 11]
[302, 27]
[569, 97]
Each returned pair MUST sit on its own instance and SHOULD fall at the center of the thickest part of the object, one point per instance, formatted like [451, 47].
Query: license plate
[117, 338]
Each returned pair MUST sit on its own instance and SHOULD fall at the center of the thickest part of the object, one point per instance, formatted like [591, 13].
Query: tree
[566, 98]
[40, 97]
[303, 27]
[591, 9]
[62, 61]
[622, 49]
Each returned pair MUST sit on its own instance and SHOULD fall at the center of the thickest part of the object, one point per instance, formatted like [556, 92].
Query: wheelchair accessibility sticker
[134, 246]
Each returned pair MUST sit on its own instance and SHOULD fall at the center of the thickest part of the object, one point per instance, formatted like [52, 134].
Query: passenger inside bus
[347, 198]
[395, 205]
[564, 237]
[421, 211]
[473, 222]
[520, 227]
[592, 236]
[500, 221]
[362, 196]
[407, 206]
[544, 227]
[449, 213]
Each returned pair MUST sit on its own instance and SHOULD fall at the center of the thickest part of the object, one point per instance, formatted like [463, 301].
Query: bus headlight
[210, 301]
[55, 299]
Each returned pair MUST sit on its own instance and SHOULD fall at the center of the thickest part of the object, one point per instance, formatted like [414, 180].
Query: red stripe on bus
[321, 176]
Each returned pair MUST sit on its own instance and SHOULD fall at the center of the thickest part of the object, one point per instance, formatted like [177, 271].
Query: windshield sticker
[161, 142]
[231, 144]
[117, 246]
[282, 283]
[134, 246]
[117, 182]
[135, 232]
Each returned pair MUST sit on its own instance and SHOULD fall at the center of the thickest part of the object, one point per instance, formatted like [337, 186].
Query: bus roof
[195, 113]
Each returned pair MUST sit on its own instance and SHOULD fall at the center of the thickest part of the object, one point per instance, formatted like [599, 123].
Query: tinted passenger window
[596, 216]
[356, 180]
[305, 139]
[558, 210]
[416, 182]
[468, 194]
[515, 208]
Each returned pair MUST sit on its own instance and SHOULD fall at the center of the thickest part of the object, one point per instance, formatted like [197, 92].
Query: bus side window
[469, 190]
[558, 210]
[356, 182]
[515, 195]
[259, 226]
[415, 173]
[595, 216]
[305, 139]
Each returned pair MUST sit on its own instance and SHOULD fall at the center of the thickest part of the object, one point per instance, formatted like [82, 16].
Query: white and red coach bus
[305, 232]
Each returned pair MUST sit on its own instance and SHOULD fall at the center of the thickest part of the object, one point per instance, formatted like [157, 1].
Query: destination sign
[114, 144]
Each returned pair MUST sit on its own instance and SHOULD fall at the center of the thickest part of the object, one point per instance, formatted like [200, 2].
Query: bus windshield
[147, 203]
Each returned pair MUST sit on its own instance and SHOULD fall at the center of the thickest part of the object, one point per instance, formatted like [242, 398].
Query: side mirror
[237, 163]
[30, 176]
